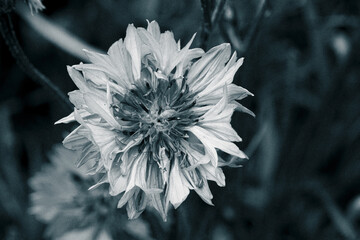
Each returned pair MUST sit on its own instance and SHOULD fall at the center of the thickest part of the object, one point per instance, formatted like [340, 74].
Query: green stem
[55, 34]
[211, 16]
[8, 34]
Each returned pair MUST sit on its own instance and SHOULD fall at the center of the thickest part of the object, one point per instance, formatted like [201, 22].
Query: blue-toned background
[302, 63]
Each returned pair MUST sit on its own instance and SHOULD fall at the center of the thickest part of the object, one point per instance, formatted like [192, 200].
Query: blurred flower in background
[35, 5]
[61, 199]
[153, 116]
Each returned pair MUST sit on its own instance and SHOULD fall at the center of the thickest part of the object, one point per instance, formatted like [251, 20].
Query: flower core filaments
[159, 109]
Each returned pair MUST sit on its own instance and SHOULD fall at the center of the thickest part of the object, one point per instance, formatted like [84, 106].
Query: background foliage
[301, 62]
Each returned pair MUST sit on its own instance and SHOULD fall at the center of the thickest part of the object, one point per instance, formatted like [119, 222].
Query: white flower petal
[241, 108]
[136, 204]
[234, 93]
[117, 179]
[74, 140]
[133, 46]
[177, 191]
[126, 196]
[157, 201]
[105, 140]
[224, 77]
[151, 42]
[154, 29]
[77, 78]
[213, 142]
[138, 172]
[99, 106]
[101, 80]
[180, 56]
[217, 120]
[168, 51]
[208, 65]
[223, 131]
[213, 173]
[201, 188]
[202, 135]
[67, 119]
[232, 161]
[122, 61]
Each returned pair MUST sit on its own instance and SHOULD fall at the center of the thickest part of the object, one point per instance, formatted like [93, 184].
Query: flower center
[157, 107]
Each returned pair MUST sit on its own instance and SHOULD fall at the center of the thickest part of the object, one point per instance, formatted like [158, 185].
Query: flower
[153, 115]
[61, 199]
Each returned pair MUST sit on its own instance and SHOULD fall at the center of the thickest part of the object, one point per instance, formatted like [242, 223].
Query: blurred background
[301, 61]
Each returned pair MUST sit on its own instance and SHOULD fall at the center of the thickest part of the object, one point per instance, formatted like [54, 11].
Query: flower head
[153, 116]
[61, 199]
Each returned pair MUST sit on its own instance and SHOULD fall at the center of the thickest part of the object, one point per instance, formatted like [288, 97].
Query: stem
[255, 26]
[210, 19]
[219, 8]
[55, 34]
[8, 33]
[337, 217]
[206, 26]
[317, 45]
[230, 29]
[155, 226]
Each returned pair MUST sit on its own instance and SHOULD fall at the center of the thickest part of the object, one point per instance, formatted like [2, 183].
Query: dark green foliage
[302, 63]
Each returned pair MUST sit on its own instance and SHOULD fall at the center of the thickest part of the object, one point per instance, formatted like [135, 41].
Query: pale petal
[195, 157]
[186, 61]
[232, 161]
[234, 93]
[241, 108]
[67, 119]
[126, 196]
[151, 42]
[76, 97]
[201, 188]
[218, 81]
[153, 178]
[75, 141]
[101, 80]
[133, 46]
[213, 173]
[136, 204]
[154, 29]
[157, 201]
[217, 120]
[208, 65]
[106, 141]
[213, 142]
[99, 106]
[132, 142]
[138, 172]
[98, 58]
[180, 55]
[205, 193]
[118, 187]
[89, 152]
[108, 70]
[177, 191]
[102, 180]
[222, 130]
[77, 78]
[168, 50]
[201, 134]
[122, 61]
